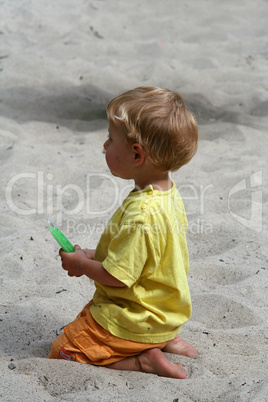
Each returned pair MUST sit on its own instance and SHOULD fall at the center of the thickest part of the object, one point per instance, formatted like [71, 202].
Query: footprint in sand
[219, 312]
[215, 242]
[209, 276]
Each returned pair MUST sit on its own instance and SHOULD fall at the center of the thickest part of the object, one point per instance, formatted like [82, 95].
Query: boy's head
[159, 120]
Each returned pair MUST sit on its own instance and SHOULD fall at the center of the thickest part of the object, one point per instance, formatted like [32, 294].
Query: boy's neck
[158, 180]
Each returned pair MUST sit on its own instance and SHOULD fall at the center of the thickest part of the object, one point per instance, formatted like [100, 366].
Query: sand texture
[60, 63]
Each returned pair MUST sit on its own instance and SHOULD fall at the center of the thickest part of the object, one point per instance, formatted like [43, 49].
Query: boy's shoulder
[133, 208]
[146, 205]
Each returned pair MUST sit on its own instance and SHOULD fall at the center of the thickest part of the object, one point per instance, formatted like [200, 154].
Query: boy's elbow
[111, 280]
[118, 284]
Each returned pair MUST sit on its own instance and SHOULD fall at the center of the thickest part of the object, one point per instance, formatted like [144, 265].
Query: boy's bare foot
[151, 361]
[179, 347]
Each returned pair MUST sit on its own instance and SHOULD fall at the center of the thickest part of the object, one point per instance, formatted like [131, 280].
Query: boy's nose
[105, 145]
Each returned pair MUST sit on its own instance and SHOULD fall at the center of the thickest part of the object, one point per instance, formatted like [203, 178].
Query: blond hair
[159, 120]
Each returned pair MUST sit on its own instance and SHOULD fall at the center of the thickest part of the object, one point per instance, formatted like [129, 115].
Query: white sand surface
[60, 63]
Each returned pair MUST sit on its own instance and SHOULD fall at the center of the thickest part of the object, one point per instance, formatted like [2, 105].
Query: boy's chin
[124, 177]
[113, 173]
[116, 174]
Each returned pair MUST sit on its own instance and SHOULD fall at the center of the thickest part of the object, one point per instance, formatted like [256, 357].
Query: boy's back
[144, 247]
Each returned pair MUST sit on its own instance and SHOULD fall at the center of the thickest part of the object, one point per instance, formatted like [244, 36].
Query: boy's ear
[139, 154]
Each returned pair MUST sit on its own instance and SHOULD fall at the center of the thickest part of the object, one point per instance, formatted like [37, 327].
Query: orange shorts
[85, 341]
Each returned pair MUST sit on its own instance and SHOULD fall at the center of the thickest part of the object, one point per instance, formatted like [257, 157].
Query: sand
[60, 63]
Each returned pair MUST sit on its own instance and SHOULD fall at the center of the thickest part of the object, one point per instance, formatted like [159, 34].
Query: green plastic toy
[61, 239]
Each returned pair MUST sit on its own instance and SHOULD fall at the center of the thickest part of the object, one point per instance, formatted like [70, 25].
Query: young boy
[140, 265]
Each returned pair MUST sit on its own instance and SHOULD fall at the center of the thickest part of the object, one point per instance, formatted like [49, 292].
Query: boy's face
[119, 154]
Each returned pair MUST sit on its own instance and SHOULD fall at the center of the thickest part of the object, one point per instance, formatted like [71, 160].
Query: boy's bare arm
[81, 262]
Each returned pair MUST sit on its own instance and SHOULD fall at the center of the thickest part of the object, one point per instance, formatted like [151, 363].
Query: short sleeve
[127, 253]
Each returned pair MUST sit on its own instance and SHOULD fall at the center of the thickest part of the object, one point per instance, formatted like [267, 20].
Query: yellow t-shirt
[144, 246]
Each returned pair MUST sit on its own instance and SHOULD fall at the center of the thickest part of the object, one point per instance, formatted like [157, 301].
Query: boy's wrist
[84, 265]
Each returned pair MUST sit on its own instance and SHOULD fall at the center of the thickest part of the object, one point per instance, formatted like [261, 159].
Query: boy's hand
[73, 262]
[89, 253]
[81, 262]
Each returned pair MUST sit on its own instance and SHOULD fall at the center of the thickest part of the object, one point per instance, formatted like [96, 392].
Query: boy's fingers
[61, 252]
[76, 247]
